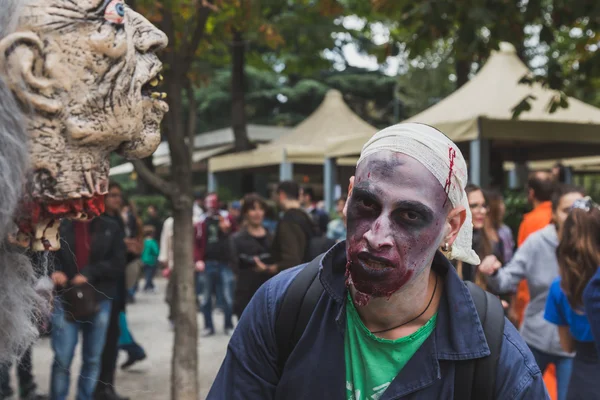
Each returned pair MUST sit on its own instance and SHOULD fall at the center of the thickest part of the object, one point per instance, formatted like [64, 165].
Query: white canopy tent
[207, 145]
[480, 112]
[305, 144]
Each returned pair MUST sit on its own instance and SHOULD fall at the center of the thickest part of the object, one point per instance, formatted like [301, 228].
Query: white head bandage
[443, 159]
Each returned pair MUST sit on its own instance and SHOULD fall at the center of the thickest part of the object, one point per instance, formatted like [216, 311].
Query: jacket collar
[458, 334]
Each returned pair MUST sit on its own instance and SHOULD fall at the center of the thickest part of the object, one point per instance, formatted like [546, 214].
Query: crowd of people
[529, 280]
[540, 278]
[240, 245]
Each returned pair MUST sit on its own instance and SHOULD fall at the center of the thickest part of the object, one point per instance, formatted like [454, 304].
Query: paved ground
[149, 379]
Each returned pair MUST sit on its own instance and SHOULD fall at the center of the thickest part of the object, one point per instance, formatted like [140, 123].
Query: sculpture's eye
[115, 12]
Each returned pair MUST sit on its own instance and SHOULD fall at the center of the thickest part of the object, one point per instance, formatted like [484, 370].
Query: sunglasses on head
[585, 204]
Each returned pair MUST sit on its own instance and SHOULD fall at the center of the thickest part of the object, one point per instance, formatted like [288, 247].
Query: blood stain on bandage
[448, 185]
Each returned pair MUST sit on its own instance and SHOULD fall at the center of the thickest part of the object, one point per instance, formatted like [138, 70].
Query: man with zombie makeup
[393, 320]
[212, 255]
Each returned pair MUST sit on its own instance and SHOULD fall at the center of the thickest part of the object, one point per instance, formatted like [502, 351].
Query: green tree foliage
[272, 100]
[472, 28]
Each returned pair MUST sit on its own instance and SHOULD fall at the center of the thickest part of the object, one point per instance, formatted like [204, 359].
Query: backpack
[474, 379]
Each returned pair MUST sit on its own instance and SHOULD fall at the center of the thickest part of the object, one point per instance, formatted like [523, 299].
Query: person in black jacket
[291, 244]
[319, 217]
[87, 268]
[251, 252]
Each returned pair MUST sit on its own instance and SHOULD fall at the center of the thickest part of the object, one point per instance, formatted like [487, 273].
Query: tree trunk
[142, 186]
[184, 375]
[184, 372]
[238, 88]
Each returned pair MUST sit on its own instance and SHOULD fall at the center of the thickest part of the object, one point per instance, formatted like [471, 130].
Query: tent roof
[577, 163]
[483, 108]
[209, 144]
[305, 144]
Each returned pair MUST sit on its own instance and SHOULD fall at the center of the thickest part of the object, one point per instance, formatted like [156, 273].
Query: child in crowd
[149, 257]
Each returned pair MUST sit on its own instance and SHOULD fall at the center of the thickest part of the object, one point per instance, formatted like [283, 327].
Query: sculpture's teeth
[154, 82]
[89, 181]
[40, 228]
[160, 77]
[49, 239]
[163, 95]
[159, 95]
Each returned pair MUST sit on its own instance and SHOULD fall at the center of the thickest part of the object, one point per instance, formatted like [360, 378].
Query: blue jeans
[65, 335]
[218, 276]
[149, 272]
[564, 365]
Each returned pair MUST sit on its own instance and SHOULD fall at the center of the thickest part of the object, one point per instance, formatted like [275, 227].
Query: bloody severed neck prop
[85, 76]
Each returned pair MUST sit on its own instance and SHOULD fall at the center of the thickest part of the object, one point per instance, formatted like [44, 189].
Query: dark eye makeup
[404, 212]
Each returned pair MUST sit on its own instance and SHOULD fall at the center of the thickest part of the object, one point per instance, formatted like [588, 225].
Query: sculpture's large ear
[22, 62]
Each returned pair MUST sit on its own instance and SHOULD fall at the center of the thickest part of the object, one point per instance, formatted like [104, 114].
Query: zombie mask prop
[86, 75]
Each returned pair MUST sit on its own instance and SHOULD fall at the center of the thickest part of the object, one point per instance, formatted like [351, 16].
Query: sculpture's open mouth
[150, 88]
[39, 221]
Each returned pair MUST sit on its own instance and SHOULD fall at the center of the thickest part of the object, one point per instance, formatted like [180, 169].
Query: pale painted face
[89, 71]
[396, 217]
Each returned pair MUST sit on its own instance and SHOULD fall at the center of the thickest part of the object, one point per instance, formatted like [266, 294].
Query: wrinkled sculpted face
[88, 71]
[396, 217]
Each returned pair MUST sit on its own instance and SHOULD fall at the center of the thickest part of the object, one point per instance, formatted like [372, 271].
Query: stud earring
[446, 247]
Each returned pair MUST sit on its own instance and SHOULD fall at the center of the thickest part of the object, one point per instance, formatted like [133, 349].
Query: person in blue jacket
[578, 255]
[591, 299]
[394, 320]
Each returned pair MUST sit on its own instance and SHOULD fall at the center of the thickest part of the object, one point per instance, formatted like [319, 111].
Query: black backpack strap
[297, 307]
[476, 379]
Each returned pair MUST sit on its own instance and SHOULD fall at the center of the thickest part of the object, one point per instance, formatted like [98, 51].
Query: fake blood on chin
[369, 283]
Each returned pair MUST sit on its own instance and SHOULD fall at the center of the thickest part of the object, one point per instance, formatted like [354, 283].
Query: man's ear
[455, 220]
[350, 187]
[22, 62]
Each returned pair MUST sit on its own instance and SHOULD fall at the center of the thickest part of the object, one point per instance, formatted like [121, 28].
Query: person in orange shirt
[540, 187]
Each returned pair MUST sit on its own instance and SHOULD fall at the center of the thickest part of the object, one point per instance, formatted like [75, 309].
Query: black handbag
[80, 302]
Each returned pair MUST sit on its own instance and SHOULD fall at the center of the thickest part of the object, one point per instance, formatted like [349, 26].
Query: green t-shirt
[150, 252]
[372, 363]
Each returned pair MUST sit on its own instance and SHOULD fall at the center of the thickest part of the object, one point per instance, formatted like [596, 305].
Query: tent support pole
[212, 182]
[330, 180]
[286, 169]
[569, 175]
[480, 162]
[518, 176]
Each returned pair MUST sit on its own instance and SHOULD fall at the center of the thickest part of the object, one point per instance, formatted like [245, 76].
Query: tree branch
[168, 28]
[152, 179]
[191, 128]
[189, 47]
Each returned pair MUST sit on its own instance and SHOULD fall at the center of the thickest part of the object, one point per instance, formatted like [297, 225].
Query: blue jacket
[315, 369]
[591, 298]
